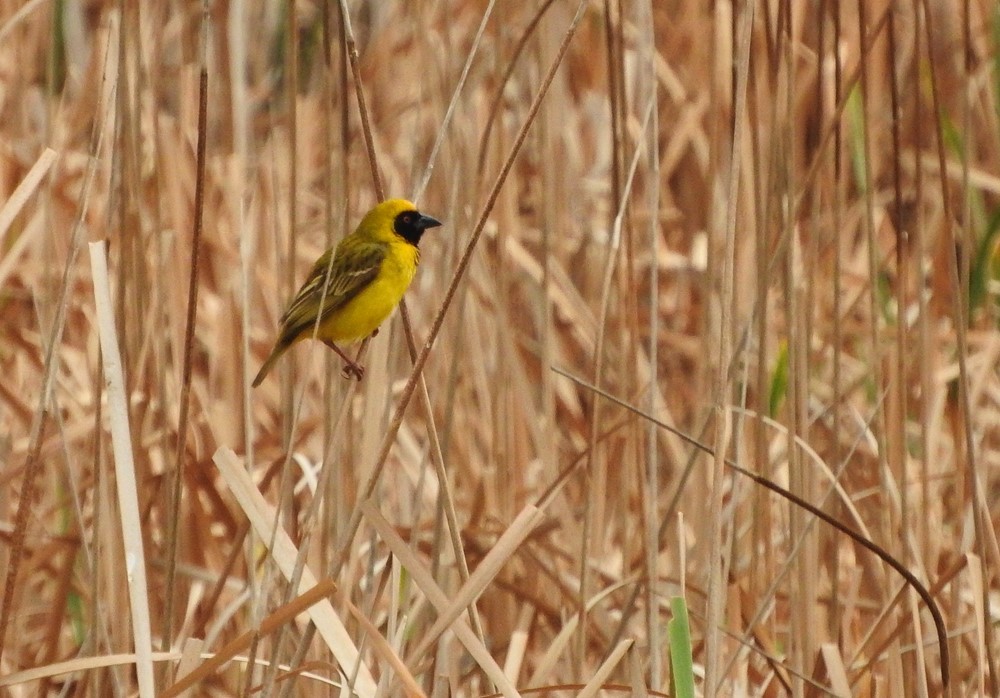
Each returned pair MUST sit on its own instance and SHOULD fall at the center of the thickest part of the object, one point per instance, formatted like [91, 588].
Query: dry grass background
[782, 241]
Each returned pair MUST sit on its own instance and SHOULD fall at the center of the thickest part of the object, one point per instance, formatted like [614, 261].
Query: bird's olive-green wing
[355, 266]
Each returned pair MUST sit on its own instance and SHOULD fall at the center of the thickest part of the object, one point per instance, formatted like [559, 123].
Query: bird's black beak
[411, 225]
[425, 222]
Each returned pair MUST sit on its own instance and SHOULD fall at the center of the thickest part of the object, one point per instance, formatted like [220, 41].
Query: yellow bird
[372, 268]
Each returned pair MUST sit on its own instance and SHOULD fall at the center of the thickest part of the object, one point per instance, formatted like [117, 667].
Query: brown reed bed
[769, 228]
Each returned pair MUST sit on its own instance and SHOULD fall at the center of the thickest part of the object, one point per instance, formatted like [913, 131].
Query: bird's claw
[353, 370]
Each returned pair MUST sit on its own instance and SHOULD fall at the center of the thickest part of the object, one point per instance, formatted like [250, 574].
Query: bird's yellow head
[397, 218]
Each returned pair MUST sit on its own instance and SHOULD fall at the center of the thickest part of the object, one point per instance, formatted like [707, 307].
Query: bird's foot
[353, 370]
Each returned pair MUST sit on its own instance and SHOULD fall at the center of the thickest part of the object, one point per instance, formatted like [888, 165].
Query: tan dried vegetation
[770, 225]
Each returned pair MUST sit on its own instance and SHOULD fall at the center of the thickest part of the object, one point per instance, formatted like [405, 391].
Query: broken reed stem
[133, 553]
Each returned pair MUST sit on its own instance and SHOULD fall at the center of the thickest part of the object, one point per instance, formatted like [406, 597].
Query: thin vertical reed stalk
[720, 389]
[959, 302]
[180, 454]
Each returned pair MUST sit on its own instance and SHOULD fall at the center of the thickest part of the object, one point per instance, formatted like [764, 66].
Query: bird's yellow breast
[366, 311]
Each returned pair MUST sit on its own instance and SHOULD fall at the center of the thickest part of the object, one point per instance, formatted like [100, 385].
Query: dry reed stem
[286, 556]
[604, 671]
[425, 580]
[279, 619]
[25, 190]
[133, 554]
[386, 651]
[520, 528]
[720, 383]
[191, 319]
[189, 661]
[80, 665]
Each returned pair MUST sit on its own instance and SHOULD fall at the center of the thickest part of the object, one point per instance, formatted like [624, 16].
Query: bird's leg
[353, 369]
[361, 351]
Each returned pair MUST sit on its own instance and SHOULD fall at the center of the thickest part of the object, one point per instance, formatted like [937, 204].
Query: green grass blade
[681, 661]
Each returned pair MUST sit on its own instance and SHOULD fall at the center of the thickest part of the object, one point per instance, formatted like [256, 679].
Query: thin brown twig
[494, 109]
[594, 476]
[177, 484]
[275, 621]
[359, 93]
[351, 47]
[418, 191]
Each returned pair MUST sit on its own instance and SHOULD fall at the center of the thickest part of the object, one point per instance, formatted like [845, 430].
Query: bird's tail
[275, 354]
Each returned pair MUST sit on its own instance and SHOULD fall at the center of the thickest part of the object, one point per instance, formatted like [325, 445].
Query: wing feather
[355, 266]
